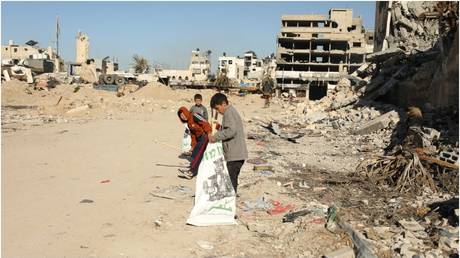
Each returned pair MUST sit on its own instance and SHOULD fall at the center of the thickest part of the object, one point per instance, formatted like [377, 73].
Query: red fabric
[278, 208]
[197, 127]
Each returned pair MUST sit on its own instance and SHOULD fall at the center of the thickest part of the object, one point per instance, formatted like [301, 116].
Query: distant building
[199, 70]
[200, 66]
[247, 69]
[314, 51]
[232, 66]
[20, 52]
[31, 55]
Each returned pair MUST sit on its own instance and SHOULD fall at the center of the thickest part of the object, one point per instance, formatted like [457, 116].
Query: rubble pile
[403, 197]
[416, 25]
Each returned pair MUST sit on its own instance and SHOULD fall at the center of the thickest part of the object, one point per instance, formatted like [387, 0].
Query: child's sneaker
[186, 173]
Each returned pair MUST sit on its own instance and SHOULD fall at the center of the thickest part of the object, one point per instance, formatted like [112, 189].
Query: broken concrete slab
[384, 55]
[314, 117]
[6, 75]
[344, 102]
[345, 252]
[411, 225]
[406, 23]
[378, 123]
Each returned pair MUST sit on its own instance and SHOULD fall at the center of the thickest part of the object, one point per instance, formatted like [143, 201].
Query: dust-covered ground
[82, 171]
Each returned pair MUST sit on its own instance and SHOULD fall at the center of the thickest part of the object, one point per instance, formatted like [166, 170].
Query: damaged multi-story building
[315, 51]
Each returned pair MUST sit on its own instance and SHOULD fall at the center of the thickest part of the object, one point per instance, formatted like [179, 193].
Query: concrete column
[277, 93]
[292, 92]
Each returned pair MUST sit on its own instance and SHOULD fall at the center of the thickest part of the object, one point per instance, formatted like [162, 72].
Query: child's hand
[211, 138]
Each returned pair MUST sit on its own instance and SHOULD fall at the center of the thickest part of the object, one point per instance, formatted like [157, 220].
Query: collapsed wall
[420, 43]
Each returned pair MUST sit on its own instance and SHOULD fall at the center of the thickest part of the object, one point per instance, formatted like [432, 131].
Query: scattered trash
[411, 225]
[263, 168]
[86, 201]
[291, 184]
[304, 184]
[158, 222]
[260, 204]
[290, 217]
[162, 196]
[266, 172]
[184, 189]
[279, 209]
[105, 181]
[256, 161]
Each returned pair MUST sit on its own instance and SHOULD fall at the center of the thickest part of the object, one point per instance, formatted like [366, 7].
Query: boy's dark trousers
[197, 153]
[234, 168]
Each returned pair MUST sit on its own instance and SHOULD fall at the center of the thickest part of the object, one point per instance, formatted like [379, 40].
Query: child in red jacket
[199, 131]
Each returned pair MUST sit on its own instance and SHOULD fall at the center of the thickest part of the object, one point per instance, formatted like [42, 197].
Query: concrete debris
[379, 123]
[7, 75]
[345, 252]
[411, 225]
[381, 56]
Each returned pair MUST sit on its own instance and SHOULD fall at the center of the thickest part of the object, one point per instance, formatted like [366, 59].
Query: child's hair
[197, 96]
[218, 99]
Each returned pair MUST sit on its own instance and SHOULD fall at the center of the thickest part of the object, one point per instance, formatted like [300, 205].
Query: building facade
[20, 52]
[198, 71]
[232, 66]
[314, 51]
[247, 69]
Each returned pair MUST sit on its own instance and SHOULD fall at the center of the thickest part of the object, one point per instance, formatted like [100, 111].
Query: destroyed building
[28, 60]
[18, 52]
[247, 70]
[313, 51]
[417, 48]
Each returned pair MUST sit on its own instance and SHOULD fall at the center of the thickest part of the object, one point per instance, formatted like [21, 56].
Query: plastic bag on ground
[187, 140]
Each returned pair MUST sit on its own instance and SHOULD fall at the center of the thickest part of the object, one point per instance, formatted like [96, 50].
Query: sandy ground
[52, 160]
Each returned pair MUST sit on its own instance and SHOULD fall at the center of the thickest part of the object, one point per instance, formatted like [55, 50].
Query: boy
[231, 135]
[198, 108]
[267, 89]
[199, 131]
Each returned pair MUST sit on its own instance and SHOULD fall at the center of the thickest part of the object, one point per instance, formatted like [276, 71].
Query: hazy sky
[163, 32]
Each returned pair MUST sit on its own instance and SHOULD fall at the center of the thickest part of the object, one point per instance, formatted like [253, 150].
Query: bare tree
[140, 64]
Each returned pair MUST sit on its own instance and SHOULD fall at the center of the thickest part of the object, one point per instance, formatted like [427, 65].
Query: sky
[164, 33]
